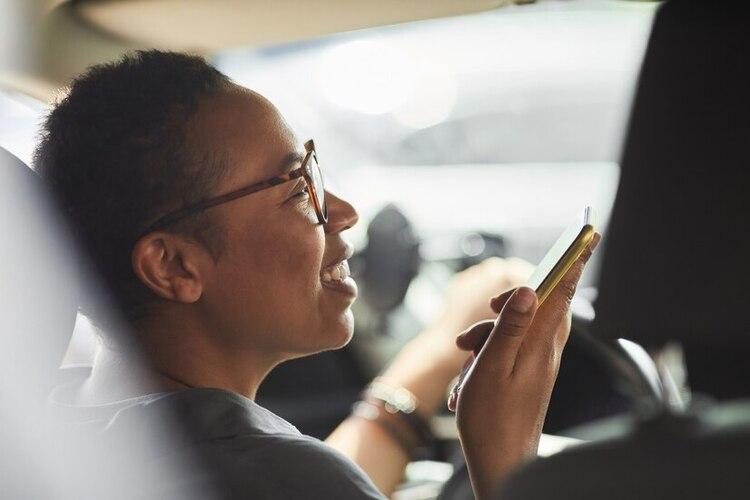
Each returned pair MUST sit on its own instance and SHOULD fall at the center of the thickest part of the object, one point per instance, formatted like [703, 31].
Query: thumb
[497, 303]
[501, 349]
[473, 338]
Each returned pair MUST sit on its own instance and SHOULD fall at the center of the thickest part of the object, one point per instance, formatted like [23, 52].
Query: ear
[170, 266]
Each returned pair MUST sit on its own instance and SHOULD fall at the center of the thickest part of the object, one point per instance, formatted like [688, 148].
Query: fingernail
[595, 243]
[495, 301]
[461, 335]
[522, 300]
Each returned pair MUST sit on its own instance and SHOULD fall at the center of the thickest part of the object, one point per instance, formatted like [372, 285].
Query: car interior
[682, 187]
[648, 402]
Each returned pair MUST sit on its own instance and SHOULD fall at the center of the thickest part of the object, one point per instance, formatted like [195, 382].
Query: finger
[501, 349]
[544, 337]
[452, 400]
[453, 396]
[497, 303]
[474, 336]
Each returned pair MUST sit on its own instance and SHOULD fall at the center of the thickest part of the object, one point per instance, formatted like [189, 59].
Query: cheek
[297, 263]
[290, 254]
[273, 274]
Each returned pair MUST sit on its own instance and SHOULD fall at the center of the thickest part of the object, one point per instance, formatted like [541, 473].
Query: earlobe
[164, 264]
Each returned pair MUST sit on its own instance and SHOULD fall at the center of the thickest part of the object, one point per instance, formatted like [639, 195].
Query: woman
[209, 221]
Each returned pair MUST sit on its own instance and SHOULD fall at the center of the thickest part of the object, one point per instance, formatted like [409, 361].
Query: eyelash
[304, 191]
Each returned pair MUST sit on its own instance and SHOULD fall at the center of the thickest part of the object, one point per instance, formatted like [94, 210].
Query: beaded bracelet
[401, 403]
[374, 413]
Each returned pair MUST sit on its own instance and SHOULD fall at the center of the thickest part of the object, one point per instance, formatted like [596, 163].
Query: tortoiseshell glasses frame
[308, 170]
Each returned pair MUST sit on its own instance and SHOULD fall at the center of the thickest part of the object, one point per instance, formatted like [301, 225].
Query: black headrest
[676, 263]
[671, 457]
[38, 278]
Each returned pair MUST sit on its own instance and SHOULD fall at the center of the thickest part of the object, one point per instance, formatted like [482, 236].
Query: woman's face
[272, 287]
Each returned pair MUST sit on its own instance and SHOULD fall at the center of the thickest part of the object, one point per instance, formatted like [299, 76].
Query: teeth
[338, 272]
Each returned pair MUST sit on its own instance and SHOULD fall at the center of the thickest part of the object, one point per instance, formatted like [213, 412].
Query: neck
[174, 358]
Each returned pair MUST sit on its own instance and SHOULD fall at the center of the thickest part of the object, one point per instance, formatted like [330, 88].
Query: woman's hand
[467, 301]
[501, 399]
[428, 363]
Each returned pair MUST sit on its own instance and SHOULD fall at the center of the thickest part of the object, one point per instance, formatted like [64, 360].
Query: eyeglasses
[308, 170]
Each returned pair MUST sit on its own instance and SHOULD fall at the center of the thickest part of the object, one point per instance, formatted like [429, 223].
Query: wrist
[487, 478]
[399, 433]
[490, 462]
[393, 408]
[425, 371]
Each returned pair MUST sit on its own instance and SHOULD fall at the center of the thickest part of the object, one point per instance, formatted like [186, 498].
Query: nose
[341, 214]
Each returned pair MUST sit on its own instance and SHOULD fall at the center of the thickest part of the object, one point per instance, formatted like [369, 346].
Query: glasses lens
[317, 179]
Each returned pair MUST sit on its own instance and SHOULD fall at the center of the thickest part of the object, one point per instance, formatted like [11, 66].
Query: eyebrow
[285, 166]
[289, 161]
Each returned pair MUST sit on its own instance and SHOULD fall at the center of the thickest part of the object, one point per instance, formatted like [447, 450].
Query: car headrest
[676, 255]
[39, 286]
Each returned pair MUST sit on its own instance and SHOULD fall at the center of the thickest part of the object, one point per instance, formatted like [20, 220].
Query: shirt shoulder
[244, 449]
[252, 449]
[300, 467]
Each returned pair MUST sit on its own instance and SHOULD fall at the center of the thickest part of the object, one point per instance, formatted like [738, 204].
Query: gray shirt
[241, 449]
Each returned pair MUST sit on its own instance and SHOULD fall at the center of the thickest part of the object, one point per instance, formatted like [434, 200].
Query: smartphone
[563, 254]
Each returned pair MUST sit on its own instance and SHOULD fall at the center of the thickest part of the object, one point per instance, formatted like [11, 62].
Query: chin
[341, 332]
[333, 334]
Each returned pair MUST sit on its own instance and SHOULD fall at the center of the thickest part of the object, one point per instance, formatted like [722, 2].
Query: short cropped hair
[117, 154]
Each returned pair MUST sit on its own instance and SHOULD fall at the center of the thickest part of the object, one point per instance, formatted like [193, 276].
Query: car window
[20, 116]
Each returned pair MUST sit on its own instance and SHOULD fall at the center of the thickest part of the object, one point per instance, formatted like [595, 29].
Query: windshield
[462, 121]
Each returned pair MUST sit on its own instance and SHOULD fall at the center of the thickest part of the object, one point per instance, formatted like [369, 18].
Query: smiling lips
[335, 273]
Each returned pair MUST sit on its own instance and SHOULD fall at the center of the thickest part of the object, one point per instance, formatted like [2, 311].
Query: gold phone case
[574, 251]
